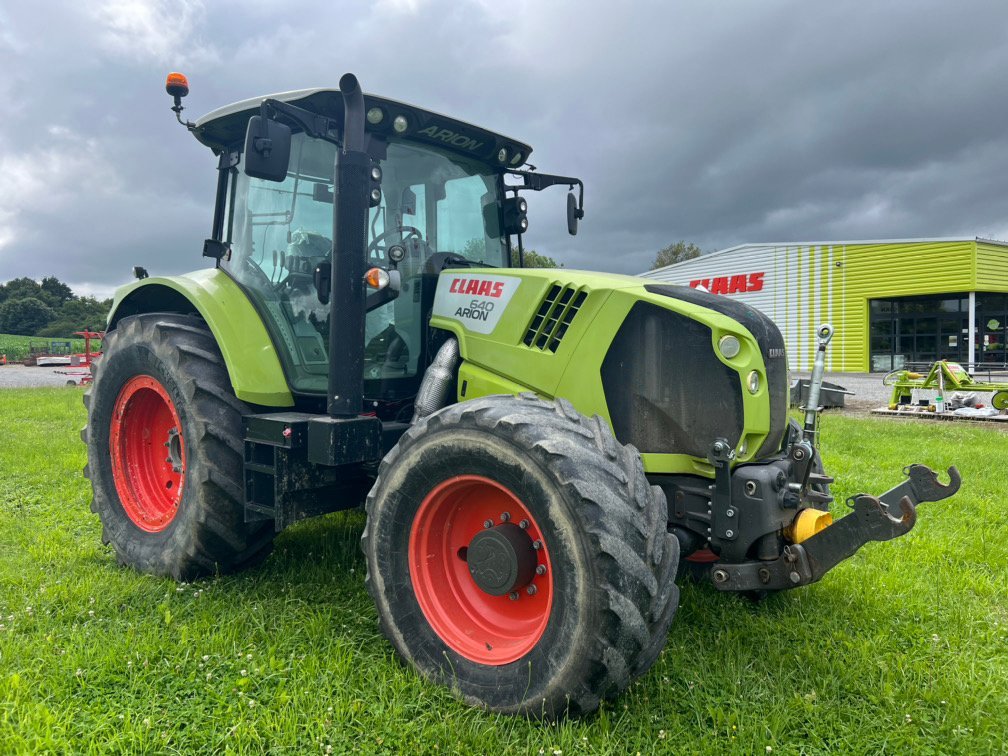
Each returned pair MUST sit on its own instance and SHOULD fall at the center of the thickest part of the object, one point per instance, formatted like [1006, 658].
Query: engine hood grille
[666, 390]
[555, 314]
[771, 344]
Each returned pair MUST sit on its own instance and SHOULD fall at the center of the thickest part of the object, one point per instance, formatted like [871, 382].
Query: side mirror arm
[536, 182]
[312, 124]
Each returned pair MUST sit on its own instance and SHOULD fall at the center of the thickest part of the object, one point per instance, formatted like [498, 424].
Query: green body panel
[252, 362]
[499, 362]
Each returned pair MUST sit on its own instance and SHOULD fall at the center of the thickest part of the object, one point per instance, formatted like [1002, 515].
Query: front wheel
[517, 553]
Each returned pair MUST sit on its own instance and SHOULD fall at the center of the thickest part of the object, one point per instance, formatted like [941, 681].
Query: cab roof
[224, 128]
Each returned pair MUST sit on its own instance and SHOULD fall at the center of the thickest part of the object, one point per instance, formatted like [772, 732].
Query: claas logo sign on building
[743, 283]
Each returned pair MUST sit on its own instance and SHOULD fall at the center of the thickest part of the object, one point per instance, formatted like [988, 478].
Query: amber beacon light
[177, 85]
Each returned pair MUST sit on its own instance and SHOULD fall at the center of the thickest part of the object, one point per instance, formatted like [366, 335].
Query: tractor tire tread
[216, 539]
[620, 514]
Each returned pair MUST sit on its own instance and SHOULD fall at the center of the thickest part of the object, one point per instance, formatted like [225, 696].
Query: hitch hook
[922, 485]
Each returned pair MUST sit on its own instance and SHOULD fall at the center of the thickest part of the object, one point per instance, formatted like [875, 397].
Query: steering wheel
[408, 232]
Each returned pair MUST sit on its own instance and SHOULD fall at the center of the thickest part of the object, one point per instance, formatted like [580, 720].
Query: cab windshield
[432, 202]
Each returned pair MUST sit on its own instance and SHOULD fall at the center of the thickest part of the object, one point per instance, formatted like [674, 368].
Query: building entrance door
[907, 331]
[992, 329]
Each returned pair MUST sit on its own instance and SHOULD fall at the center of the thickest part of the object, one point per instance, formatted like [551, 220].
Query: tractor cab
[438, 199]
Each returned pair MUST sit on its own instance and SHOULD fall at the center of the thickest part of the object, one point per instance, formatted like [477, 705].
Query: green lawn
[902, 649]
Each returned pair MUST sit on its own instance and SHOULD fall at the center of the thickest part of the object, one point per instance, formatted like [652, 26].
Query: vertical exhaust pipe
[353, 113]
[350, 216]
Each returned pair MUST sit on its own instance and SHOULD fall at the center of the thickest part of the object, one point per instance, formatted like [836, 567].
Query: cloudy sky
[714, 122]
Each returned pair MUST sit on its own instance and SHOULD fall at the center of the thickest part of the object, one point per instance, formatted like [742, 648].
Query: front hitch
[873, 519]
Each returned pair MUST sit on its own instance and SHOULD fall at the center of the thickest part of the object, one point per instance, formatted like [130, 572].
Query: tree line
[48, 308]
[676, 252]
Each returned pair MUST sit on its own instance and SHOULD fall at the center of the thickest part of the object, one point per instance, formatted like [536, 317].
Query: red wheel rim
[483, 628]
[148, 453]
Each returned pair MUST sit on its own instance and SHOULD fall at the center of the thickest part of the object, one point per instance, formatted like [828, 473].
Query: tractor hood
[225, 127]
[671, 368]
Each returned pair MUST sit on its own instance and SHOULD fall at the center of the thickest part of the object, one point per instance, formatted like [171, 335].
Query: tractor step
[298, 465]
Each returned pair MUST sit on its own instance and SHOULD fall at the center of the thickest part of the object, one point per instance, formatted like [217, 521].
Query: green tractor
[540, 452]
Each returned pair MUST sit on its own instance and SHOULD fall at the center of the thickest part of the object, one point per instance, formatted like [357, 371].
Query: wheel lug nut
[505, 516]
[488, 524]
[523, 524]
[531, 590]
[513, 595]
[541, 569]
[537, 545]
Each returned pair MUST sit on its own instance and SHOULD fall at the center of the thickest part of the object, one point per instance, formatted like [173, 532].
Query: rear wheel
[164, 440]
[517, 553]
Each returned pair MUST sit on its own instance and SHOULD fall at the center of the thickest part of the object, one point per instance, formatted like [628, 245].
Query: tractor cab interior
[436, 208]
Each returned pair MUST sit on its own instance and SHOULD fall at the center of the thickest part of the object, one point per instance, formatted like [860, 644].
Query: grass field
[902, 649]
[16, 347]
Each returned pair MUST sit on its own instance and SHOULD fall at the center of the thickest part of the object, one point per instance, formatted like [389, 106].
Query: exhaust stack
[350, 216]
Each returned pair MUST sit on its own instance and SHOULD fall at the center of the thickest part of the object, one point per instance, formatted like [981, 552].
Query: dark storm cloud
[718, 123]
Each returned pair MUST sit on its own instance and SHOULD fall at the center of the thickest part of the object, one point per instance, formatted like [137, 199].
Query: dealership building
[893, 303]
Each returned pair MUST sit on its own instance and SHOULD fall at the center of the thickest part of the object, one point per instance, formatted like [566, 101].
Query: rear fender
[251, 360]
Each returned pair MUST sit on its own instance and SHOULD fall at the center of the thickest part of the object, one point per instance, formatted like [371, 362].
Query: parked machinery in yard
[536, 450]
[942, 377]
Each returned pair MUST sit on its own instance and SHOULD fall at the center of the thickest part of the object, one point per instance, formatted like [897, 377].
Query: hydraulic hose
[435, 390]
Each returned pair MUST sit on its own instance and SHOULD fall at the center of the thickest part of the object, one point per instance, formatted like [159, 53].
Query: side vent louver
[554, 317]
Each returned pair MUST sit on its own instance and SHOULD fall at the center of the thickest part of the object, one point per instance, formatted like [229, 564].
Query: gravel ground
[19, 376]
[869, 392]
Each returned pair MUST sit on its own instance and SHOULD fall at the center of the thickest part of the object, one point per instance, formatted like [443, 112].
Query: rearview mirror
[572, 214]
[492, 220]
[322, 279]
[267, 149]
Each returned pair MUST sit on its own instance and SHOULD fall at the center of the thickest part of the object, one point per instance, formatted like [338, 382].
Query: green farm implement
[943, 377]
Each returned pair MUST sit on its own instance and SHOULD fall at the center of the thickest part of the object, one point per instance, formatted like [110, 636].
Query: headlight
[753, 382]
[729, 346]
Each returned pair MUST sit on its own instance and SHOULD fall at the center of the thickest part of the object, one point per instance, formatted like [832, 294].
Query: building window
[910, 332]
[992, 329]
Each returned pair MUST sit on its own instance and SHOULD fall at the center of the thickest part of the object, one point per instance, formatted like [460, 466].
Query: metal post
[972, 332]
